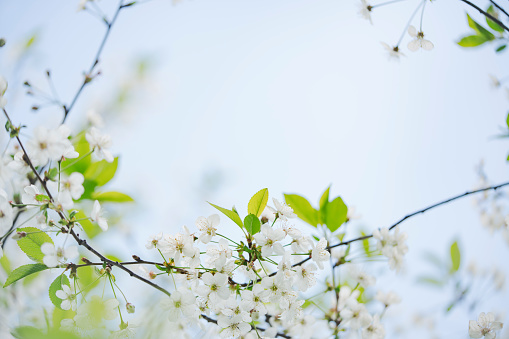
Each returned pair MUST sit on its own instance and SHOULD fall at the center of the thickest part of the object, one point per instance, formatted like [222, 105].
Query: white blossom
[361, 277]
[283, 211]
[208, 227]
[153, 241]
[305, 276]
[485, 326]
[53, 256]
[181, 303]
[268, 238]
[68, 298]
[418, 41]
[394, 51]
[90, 314]
[214, 286]
[365, 10]
[375, 330]
[389, 298]
[97, 216]
[233, 327]
[30, 195]
[320, 253]
[100, 143]
[6, 212]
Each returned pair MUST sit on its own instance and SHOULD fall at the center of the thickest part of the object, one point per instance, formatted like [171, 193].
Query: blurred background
[214, 100]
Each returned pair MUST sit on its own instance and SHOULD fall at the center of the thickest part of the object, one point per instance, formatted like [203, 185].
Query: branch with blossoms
[254, 286]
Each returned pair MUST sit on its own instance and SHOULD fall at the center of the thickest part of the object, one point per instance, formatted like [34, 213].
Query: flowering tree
[276, 280]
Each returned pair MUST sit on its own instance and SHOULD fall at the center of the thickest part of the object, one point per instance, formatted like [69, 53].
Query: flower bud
[130, 308]
[19, 235]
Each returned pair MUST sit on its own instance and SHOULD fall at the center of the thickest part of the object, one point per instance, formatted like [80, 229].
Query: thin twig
[486, 14]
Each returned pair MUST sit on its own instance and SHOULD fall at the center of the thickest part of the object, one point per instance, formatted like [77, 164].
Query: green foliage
[31, 244]
[101, 172]
[5, 263]
[336, 214]
[302, 208]
[252, 224]
[233, 215]
[455, 257]
[58, 315]
[55, 286]
[481, 35]
[258, 202]
[28, 332]
[82, 147]
[430, 281]
[324, 201]
[331, 213]
[493, 25]
[23, 271]
[500, 48]
[111, 197]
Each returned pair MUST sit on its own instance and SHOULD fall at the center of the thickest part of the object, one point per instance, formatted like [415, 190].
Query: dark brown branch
[500, 8]
[486, 14]
[67, 109]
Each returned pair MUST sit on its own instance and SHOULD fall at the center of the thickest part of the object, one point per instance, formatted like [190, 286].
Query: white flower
[283, 210]
[233, 327]
[305, 277]
[494, 81]
[365, 10]
[214, 286]
[361, 277]
[54, 256]
[68, 298]
[19, 164]
[485, 326]
[394, 52]
[90, 315]
[100, 143]
[393, 246]
[95, 119]
[6, 213]
[356, 316]
[30, 195]
[48, 145]
[418, 41]
[153, 241]
[181, 243]
[320, 253]
[254, 300]
[72, 185]
[208, 227]
[146, 273]
[126, 330]
[375, 330]
[3, 88]
[231, 308]
[181, 303]
[268, 238]
[97, 216]
[389, 298]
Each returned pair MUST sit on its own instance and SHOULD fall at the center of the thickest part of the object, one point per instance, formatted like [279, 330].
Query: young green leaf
[455, 257]
[230, 214]
[23, 271]
[55, 286]
[252, 224]
[111, 197]
[101, 172]
[336, 214]
[31, 243]
[472, 41]
[500, 48]
[324, 201]
[480, 29]
[302, 208]
[258, 202]
[493, 25]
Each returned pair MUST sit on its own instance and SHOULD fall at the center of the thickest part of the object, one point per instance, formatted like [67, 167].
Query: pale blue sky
[293, 96]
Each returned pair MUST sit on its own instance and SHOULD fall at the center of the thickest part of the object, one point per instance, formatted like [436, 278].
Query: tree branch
[486, 14]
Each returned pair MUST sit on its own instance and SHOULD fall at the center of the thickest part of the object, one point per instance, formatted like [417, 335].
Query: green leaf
[365, 245]
[111, 197]
[507, 120]
[302, 208]
[258, 202]
[27, 332]
[55, 286]
[480, 29]
[252, 224]
[324, 201]
[31, 244]
[23, 271]
[41, 197]
[500, 48]
[230, 214]
[82, 147]
[430, 281]
[494, 26]
[336, 214]
[455, 257]
[101, 171]
[472, 41]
